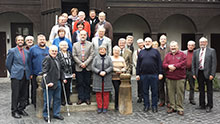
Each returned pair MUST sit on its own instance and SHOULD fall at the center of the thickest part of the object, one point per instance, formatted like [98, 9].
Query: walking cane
[48, 108]
[67, 106]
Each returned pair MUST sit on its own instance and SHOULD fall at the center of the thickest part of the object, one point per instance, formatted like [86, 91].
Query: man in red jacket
[175, 66]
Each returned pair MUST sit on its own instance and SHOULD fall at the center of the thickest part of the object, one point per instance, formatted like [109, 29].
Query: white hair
[191, 42]
[163, 36]
[63, 43]
[101, 13]
[130, 36]
[116, 48]
[203, 39]
[83, 32]
[29, 38]
[140, 41]
[173, 43]
[53, 47]
[101, 29]
[81, 13]
[148, 39]
[121, 39]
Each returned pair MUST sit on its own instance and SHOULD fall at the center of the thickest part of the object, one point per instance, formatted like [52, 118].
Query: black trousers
[34, 87]
[116, 84]
[191, 80]
[19, 93]
[139, 89]
[67, 89]
[202, 82]
[83, 84]
[163, 91]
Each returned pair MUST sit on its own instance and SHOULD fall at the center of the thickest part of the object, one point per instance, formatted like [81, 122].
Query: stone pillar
[125, 97]
[39, 98]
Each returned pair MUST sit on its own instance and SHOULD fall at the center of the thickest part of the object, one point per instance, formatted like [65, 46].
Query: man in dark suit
[54, 77]
[204, 65]
[83, 56]
[93, 20]
[18, 64]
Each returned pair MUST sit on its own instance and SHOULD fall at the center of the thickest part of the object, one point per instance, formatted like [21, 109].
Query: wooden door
[3, 71]
[23, 29]
[50, 9]
[185, 39]
[117, 36]
[215, 43]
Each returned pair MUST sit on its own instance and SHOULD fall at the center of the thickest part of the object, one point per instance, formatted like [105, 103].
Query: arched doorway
[131, 24]
[179, 28]
[12, 24]
[212, 31]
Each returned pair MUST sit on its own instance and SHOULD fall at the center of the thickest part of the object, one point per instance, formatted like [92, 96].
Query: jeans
[56, 95]
[150, 81]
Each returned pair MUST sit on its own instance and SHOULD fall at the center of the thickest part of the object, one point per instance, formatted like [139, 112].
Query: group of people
[83, 50]
[166, 71]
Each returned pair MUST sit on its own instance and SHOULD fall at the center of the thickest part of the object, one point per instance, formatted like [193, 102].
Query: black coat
[53, 71]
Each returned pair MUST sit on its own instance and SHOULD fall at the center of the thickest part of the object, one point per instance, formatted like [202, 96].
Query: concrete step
[74, 98]
[84, 107]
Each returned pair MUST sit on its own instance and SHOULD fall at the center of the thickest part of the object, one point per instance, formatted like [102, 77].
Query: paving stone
[192, 116]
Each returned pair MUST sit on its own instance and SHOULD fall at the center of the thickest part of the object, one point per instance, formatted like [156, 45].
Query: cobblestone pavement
[191, 116]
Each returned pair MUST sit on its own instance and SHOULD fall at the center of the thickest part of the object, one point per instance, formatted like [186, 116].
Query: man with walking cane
[53, 76]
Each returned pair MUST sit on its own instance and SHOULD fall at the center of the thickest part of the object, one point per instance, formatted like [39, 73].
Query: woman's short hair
[116, 48]
[63, 43]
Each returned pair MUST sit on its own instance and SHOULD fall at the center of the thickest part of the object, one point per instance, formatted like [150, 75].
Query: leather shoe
[208, 109]
[154, 109]
[46, 119]
[139, 100]
[180, 113]
[192, 102]
[104, 111]
[79, 102]
[58, 117]
[70, 103]
[15, 115]
[200, 108]
[63, 103]
[99, 111]
[22, 112]
[88, 102]
[170, 110]
[146, 109]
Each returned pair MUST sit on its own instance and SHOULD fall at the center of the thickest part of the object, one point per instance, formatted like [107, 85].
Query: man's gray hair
[191, 42]
[52, 47]
[203, 39]
[148, 39]
[163, 36]
[81, 13]
[173, 43]
[102, 13]
[130, 36]
[29, 38]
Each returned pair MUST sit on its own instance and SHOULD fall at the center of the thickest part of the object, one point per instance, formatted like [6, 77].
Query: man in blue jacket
[37, 54]
[18, 64]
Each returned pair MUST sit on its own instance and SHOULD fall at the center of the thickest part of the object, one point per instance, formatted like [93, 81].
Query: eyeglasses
[54, 51]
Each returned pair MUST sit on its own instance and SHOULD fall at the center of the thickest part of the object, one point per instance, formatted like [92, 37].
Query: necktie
[83, 51]
[201, 58]
[22, 54]
[121, 54]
